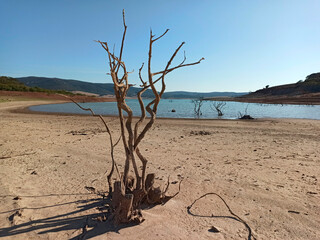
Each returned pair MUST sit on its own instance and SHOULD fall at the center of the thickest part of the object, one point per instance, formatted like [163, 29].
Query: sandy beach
[266, 170]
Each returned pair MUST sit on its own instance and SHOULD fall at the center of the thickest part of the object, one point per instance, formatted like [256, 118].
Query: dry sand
[266, 170]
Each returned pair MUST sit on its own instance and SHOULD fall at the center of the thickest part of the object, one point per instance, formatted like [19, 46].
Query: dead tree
[129, 192]
[197, 103]
[218, 106]
[244, 115]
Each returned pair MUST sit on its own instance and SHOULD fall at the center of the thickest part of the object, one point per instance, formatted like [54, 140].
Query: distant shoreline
[52, 96]
[306, 99]
[300, 100]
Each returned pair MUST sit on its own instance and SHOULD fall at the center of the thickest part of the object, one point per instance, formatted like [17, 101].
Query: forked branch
[153, 40]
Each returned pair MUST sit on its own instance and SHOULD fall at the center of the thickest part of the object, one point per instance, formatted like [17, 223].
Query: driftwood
[233, 215]
[128, 192]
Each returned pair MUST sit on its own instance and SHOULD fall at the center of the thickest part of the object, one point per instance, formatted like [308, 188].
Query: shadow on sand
[84, 226]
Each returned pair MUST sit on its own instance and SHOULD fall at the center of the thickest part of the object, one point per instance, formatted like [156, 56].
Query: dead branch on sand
[234, 216]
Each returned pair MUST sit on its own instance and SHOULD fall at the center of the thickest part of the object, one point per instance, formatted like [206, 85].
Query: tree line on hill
[12, 84]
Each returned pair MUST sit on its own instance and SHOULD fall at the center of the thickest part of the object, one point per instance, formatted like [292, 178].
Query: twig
[235, 217]
[153, 40]
[25, 154]
[167, 198]
[114, 165]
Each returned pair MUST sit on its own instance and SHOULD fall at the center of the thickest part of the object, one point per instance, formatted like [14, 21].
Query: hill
[311, 85]
[107, 88]
[12, 84]
[12, 90]
[68, 85]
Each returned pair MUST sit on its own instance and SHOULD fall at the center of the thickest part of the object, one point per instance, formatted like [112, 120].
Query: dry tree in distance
[128, 192]
[218, 106]
[197, 104]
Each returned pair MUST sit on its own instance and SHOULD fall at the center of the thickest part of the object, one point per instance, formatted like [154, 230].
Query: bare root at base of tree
[128, 193]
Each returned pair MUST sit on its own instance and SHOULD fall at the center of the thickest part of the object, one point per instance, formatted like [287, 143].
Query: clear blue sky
[247, 44]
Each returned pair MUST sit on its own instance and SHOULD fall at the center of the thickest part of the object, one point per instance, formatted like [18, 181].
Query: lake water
[184, 108]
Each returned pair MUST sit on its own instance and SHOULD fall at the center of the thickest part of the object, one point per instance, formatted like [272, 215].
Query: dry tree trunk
[129, 192]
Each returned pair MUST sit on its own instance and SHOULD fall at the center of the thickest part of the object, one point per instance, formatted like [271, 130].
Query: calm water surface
[184, 109]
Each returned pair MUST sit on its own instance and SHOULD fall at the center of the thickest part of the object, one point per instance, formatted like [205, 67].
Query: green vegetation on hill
[12, 84]
[312, 79]
[310, 85]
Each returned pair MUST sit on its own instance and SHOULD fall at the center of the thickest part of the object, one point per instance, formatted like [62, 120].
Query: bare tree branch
[179, 66]
[140, 77]
[123, 37]
[153, 40]
[112, 146]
